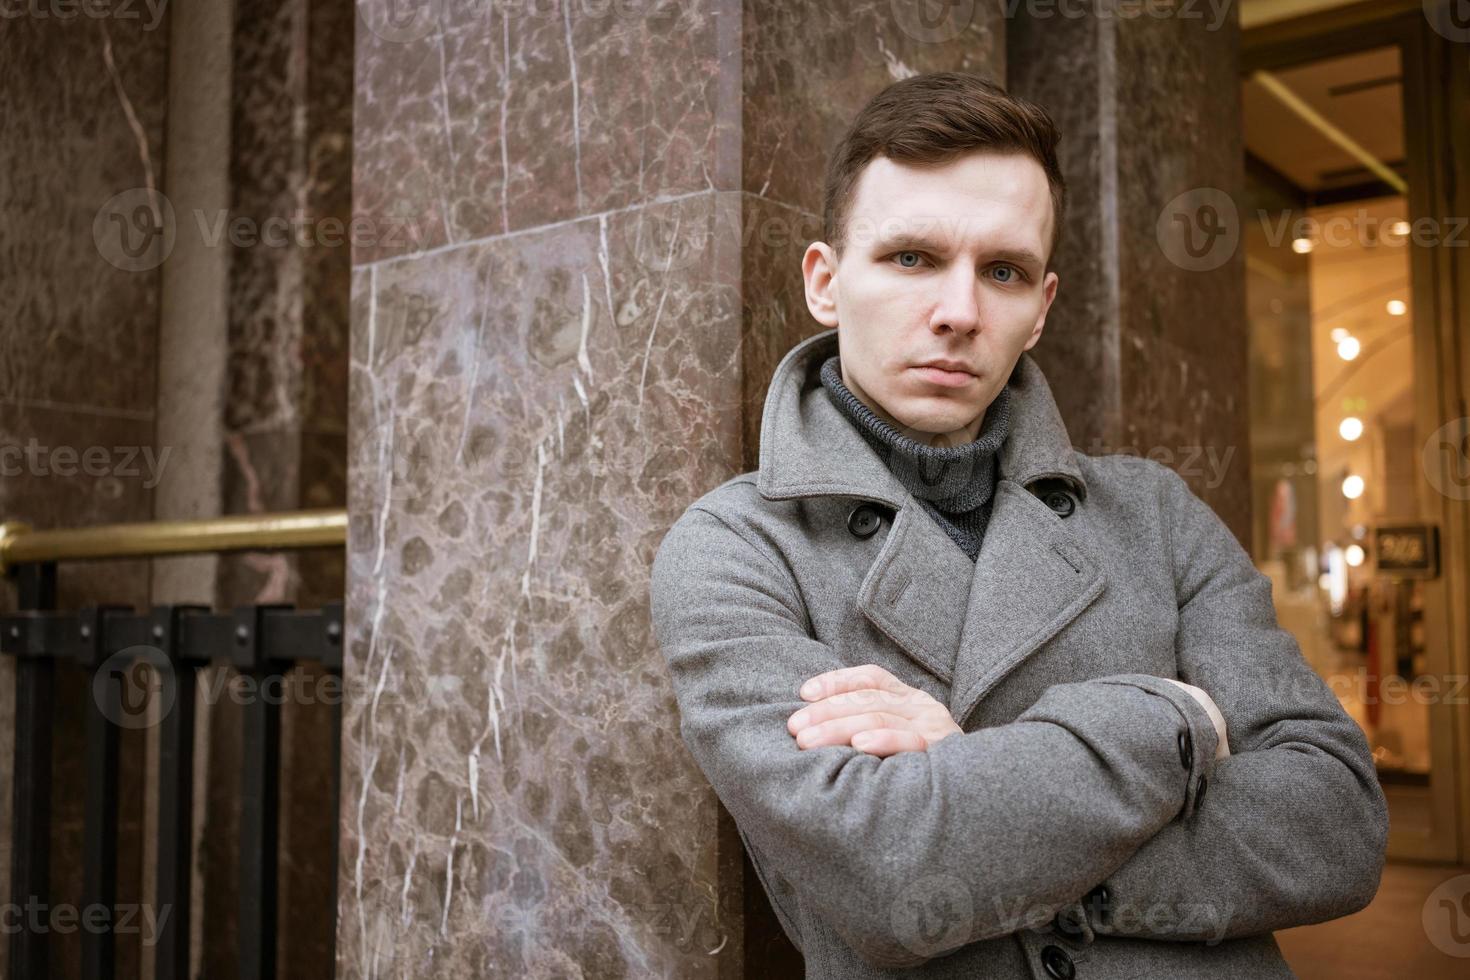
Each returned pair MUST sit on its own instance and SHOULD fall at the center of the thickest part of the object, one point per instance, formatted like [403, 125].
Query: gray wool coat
[1081, 825]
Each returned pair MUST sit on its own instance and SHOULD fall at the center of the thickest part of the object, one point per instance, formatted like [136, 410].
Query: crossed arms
[1086, 785]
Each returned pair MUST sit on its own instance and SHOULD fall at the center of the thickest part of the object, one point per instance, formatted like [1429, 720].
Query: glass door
[1346, 410]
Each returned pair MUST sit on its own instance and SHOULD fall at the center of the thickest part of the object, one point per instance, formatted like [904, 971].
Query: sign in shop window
[1408, 551]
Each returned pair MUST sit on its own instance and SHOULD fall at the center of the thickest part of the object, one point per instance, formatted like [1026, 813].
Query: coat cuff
[1197, 738]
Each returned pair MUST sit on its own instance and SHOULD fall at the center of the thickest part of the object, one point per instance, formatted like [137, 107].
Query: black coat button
[1058, 964]
[1099, 902]
[1186, 748]
[864, 521]
[1199, 794]
[1061, 502]
[1066, 923]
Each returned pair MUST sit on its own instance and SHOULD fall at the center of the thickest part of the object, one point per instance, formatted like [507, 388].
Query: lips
[944, 377]
[945, 364]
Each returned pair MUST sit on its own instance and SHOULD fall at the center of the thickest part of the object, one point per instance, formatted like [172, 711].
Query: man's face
[941, 262]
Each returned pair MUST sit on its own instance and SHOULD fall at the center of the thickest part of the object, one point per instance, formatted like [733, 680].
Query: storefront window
[1336, 475]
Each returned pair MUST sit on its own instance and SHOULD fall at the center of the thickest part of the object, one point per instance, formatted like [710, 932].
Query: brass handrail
[326, 527]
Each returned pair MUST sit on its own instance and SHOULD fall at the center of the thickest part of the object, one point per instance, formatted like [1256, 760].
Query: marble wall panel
[483, 118]
[517, 799]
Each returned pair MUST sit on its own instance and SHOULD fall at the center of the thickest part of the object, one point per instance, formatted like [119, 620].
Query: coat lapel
[915, 589]
[1033, 577]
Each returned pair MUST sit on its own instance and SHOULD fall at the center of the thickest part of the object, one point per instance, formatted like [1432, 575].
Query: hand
[1211, 709]
[871, 710]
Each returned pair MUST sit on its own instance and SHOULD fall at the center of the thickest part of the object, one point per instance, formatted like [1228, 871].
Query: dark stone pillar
[284, 435]
[1146, 344]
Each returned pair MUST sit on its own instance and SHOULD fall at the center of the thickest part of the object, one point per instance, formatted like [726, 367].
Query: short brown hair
[933, 118]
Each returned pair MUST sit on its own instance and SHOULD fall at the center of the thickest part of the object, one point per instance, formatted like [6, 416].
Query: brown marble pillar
[1146, 344]
[284, 438]
[82, 97]
[584, 224]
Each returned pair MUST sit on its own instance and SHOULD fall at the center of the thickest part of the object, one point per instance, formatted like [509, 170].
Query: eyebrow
[901, 242]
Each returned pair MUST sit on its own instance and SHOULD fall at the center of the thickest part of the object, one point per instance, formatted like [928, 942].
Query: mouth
[945, 377]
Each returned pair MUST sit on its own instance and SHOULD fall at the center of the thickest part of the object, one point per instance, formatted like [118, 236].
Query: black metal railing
[108, 643]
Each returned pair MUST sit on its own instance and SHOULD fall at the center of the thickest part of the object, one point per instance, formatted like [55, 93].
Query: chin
[925, 423]
[942, 409]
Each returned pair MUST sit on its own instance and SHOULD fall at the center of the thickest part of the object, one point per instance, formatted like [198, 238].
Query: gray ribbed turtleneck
[954, 484]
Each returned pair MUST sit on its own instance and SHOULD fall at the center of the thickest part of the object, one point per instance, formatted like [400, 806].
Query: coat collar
[970, 624]
[808, 448]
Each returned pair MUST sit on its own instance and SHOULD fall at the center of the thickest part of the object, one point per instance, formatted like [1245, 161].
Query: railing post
[259, 795]
[30, 854]
[99, 840]
[174, 853]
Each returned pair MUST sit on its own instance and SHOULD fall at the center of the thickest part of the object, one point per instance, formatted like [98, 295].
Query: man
[963, 688]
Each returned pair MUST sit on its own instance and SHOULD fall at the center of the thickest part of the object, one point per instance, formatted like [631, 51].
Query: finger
[889, 741]
[908, 705]
[850, 679]
[839, 731]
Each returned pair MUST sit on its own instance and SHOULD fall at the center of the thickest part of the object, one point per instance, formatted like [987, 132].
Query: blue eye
[899, 256]
[1012, 273]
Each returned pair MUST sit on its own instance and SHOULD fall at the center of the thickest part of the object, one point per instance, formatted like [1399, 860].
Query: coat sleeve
[1293, 827]
[918, 854]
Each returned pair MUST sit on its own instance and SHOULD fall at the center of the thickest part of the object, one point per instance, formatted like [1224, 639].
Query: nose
[958, 309]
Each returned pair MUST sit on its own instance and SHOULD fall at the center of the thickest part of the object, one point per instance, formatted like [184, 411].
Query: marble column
[582, 225]
[82, 98]
[1146, 344]
[284, 439]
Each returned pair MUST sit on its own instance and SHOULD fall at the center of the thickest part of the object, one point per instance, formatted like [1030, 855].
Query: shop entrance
[1358, 430]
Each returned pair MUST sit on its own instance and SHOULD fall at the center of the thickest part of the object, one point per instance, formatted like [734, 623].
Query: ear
[819, 270]
[1048, 293]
